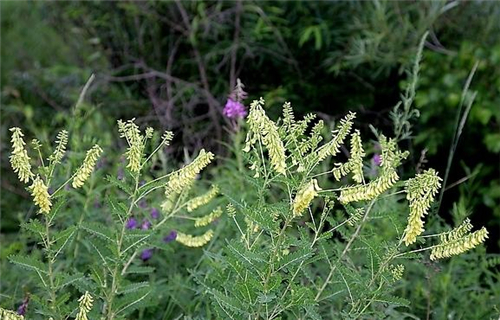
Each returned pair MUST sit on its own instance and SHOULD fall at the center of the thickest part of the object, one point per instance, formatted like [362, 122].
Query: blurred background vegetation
[172, 64]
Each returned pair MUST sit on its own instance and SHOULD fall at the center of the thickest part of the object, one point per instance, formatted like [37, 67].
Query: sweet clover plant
[324, 230]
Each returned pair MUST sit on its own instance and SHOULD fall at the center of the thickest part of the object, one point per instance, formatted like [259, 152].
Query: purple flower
[155, 213]
[143, 204]
[146, 254]
[377, 159]
[171, 236]
[131, 223]
[101, 163]
[145, 224]
[234, 109]
[23, 307]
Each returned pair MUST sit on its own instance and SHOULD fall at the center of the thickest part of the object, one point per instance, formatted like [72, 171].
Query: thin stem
[346, 249]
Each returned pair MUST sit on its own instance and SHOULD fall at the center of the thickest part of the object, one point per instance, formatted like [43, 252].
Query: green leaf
[29, 263]
[34, 227]
[117, 208]
[294, 258]
[397, 301]
[120, 184]
[250, 259]
[130, 302]
[133, 287]
[62, 239]
[230, 303]
[98, 230]
[64, 279]
[140, 270]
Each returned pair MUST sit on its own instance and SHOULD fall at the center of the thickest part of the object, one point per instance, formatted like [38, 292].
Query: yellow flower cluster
[194, 241]
[453, 247]
[390, 159]
[420, 193]
[130, 131]
[209, 218]
[85, 306]
[231, 210]
[167, 137]
[83, 173]
[355, 163]
[457, 233]
[357, 154]
[9, 315]
[183, 177]
[264, 129]
[371, 190]
[332, 147]
[397, 272]
[305, 196]
[203, 199]
[62, 141]
[356, 216]
[19, 158]
[40, 194]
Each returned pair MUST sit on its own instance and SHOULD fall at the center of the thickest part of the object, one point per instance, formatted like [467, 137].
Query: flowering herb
[131, 223]
[155, 213]
[234, 109]
[146, 254]
[170, 237]
[145, 224]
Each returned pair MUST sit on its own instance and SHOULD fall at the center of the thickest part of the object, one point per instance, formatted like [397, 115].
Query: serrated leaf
[102, 251]
[29, 263]
[133, 301]
[294, 258]
[64, 279]
[120, 184]
[117, 208]
[393, 300]
[139, 270]
[228, 302]
[98, 230]
[247, 258]
[35, 227]
[62, 239]
[133, 287]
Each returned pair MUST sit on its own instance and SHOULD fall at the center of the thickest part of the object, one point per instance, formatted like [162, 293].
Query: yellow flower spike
[194, 241]
[130, 131]
[19, 158]
[263, 128]
[209, 218]
[183, 177]
[371, 190]
[60, 150]
[420, 193]
[454, 247]
[9, 315]
[203, 199]
[357, 154]
[167, 137]
[85, 306]
[304, 197]
[83, 173]
[397, 272]
[391, 157]
[40, 194]
[333, 146]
